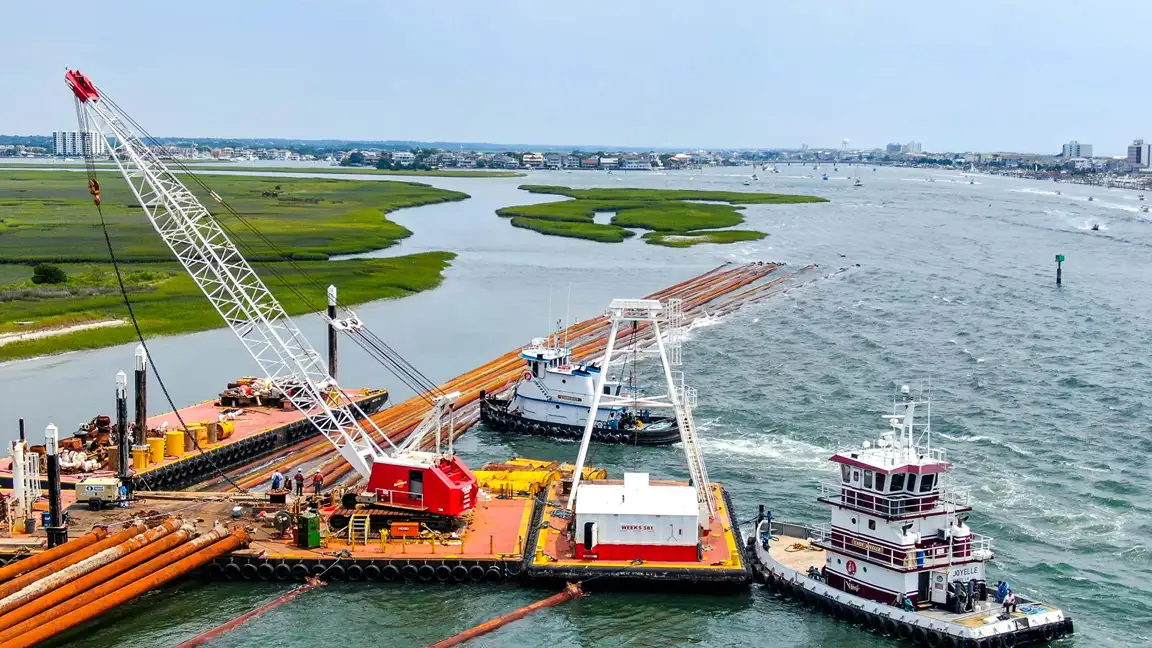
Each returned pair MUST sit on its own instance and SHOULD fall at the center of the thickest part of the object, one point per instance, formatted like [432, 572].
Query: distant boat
[971, 182]
[1095, 227]
[1141, 196]
[857, 183]
[1090, 199]
[825, 176]
[747, 182]
[755, 177]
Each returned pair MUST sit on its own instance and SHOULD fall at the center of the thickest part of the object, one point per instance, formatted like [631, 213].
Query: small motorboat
[1095, 227]
[1091, 198]
[857, 183]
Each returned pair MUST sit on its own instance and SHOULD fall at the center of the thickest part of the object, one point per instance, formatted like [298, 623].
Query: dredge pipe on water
[63, 576]
[35, 561]
[151, 574]
[571, 591]
[219, 630]
[20, 582]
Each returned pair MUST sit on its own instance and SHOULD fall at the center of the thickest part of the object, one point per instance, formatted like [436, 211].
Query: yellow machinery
[520, 477]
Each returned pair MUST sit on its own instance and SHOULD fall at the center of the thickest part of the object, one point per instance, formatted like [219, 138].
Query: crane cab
[423, 481]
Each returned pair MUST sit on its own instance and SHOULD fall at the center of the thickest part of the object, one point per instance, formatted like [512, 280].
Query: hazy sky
[973, 75]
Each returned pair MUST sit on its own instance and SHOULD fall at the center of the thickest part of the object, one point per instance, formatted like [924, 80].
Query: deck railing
[971, 547]
[892, 504]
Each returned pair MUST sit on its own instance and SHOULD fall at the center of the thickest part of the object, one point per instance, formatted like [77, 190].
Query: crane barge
[432, 486]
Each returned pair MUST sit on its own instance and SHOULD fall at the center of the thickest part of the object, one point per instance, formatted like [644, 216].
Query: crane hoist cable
[94, 190]
[366, 339]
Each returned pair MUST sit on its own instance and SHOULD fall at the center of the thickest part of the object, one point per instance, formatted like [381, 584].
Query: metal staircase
[358, 528]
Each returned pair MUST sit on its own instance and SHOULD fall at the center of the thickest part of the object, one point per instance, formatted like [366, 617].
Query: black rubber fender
[265, 571]
[443, 573]
[336, 572]
[512, 569]
[232, 571]
[1068, 629]
[903, 630]
[919, 635]
[934, 639]
[355, 572]
[493, 575]
[282, 572]
[390, 573]
[476, 573]
[1048, 632]
[318, 569]
[249, 572]
[876, 623]
[426, 573]
[215, 571]
[859, 617]
[409, 572]
[1008, 640]
[890, 627]
[459, 573]
[372, 572]
[299, 571]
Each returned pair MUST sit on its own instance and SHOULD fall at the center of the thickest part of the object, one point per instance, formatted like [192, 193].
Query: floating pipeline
[219, 630]
[570, 591]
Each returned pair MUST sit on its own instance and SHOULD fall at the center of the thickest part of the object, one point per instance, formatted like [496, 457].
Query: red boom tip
[81, 86]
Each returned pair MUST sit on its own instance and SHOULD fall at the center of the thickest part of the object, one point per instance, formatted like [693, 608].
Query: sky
[957, 76]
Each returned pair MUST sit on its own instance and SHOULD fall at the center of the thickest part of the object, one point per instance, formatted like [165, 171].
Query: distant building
[79, 143]
[893, 149]
[571, 162]
[590, 163]
[912, 147]
[609, 162]
[1075, 149]
[1140, 154]
[532, 160]
[403, 158]
[635, 163]
[553, 160]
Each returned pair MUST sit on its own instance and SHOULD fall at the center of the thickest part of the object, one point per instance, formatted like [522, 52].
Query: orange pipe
[14, 569]
[203, 638]
[90, 610]
[88, 581]
[108, 588]
[571, 591]
[62, 576]
[17, 584]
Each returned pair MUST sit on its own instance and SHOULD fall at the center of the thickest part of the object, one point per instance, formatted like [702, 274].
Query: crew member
[318, 481]
[1009, 603]
[299, 483]
[277, 480]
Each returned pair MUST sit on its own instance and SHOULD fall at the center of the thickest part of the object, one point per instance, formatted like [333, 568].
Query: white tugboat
[555, 394]
[898, 556]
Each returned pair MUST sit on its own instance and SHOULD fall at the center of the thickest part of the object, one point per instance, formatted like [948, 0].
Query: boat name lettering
[637, 527]
[850, 586]
[569, 398]
[965, 571]
[866, 545]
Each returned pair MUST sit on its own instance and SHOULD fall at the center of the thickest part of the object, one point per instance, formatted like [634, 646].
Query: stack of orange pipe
[14, 569]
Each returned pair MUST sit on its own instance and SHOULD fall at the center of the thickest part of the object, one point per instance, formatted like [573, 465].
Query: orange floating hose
[201, 639]
[571, 591]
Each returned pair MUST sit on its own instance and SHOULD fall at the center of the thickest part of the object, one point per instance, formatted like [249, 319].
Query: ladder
[691, 443]
[358, 527]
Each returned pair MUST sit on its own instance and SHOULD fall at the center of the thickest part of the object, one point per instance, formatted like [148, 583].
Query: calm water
[1040, 395]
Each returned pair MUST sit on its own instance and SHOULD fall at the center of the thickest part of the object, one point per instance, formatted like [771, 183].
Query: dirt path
[9, 338]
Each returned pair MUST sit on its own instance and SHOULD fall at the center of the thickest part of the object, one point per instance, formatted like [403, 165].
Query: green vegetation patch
[227, 166]
[48, 216]
[695, 238]
[666, 212]
[167, 301]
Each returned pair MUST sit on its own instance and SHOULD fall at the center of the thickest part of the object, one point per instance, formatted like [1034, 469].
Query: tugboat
[898, 556]
[554, 395]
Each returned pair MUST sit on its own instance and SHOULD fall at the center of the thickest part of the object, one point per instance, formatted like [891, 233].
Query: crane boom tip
[81, 86]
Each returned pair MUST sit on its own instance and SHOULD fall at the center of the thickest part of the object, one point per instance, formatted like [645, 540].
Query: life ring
[934, 638]
[527, 375]
[390, 573]
[426, 573]
[372, 572]
[1049, 632]
[903, 630]
[443, 573]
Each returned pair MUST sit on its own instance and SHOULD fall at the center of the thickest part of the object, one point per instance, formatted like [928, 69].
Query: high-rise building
[912, 147]
[1075, 149]
[1140, 154]
[893, 149]
[81, 143]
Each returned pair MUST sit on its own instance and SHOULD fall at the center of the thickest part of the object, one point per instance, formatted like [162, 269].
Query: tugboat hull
[494, 413]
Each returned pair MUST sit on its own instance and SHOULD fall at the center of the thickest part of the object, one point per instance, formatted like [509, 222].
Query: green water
[1040, 397]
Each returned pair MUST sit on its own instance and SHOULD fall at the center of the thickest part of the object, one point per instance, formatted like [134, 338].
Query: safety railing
[892, 504]
[964, 549]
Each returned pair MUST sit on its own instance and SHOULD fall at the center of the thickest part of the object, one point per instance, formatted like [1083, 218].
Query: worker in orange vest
[318, 481]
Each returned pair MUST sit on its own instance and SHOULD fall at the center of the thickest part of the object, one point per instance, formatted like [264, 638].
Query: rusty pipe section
[88, 581]
[571, 591]
[56, 579]
[14, 569]
[203, 638]
[78, 614]
[110, 587]
[20, 582]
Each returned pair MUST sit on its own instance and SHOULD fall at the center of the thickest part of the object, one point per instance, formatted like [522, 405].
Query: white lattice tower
[228, 281]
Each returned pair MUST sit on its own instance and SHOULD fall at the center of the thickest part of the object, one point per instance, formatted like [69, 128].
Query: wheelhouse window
[897, 482]
[927, 482]
[880, 477]
[607, 390]
[911, 483]
[856, 476]
[845, 472]
[867, 479]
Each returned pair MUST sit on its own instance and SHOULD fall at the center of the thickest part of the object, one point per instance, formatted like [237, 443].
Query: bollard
[1059, 262]
[57, 532]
